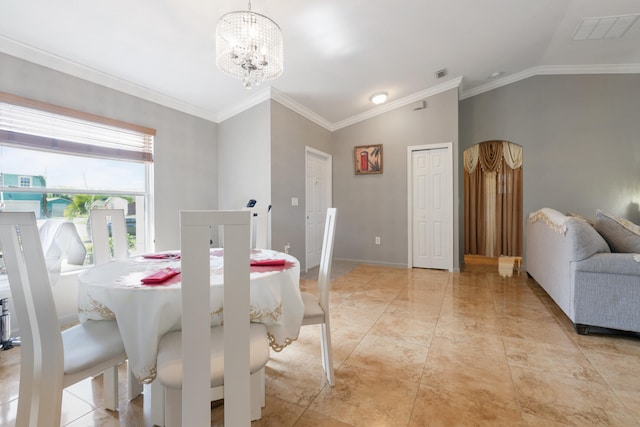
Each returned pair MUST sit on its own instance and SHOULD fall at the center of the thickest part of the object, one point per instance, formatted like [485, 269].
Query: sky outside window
[68, 171]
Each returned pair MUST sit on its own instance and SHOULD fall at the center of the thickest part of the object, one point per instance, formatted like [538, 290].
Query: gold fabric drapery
[493, 199]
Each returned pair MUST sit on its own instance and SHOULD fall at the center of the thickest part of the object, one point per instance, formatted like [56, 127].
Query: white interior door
[318, 199]
[431, 209]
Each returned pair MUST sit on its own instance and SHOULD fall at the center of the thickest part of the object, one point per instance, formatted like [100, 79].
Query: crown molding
[57, 63]
[280, 97]
[548, 70]
[259, 97]
[63, 65]
[418, 96]
[274, 94]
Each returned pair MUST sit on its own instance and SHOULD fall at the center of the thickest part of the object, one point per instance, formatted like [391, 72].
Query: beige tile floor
[420, 348]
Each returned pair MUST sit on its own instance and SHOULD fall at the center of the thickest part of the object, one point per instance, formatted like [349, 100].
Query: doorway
[430, 210]
[493, 199]
[318, 196]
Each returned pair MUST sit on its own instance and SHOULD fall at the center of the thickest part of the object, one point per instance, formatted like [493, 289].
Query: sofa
[590, 269]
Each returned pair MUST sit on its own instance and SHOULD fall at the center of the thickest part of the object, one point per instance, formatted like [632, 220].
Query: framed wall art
[367, 159]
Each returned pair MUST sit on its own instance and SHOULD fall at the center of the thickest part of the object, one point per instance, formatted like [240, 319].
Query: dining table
[146, 310]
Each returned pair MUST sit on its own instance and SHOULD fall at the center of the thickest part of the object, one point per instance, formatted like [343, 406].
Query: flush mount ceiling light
[249, 47]
[379, 97]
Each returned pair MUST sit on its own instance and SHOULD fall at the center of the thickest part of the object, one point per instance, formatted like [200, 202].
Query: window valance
[489, 156]
[31, 124]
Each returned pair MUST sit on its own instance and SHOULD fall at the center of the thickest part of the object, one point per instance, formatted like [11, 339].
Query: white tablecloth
[145, 313]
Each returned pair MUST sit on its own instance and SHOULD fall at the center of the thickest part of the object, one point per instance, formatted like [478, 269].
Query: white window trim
[138, 147]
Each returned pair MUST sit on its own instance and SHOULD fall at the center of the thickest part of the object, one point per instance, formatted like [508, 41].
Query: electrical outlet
[377, 240]
[287, 248]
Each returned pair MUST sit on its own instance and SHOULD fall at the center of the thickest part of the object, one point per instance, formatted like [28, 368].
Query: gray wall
[580, 136]
[376, 205]
[185, 146]
[290, 134]
[244, 161]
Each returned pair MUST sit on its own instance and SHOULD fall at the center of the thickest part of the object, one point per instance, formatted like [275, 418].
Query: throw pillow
[622, 235]
[580, 217]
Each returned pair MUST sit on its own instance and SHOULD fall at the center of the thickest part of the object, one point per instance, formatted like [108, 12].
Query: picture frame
[367, 159]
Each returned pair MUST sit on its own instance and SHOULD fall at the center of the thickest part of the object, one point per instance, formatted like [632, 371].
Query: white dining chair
[109, 239]
[199, 357]
[316, 308]
[51, 359]
[108, 245]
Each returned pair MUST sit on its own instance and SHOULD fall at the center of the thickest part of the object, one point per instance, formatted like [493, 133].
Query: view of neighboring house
[56, 206]
[25, 202]
[47, 207]
[114, 203]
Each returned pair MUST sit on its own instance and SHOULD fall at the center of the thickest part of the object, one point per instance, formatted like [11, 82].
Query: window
[24, 181]
[60, 163]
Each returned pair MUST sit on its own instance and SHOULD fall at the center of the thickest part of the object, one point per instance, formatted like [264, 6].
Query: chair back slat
[259, 227]
[41, 352]
[261, 219]
[194, 241]
[102, 246]
[324, 274]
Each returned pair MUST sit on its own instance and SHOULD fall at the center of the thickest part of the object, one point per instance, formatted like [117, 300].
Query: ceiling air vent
[606, 27]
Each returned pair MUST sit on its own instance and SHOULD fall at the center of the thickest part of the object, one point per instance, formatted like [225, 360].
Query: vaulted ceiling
[337, 52]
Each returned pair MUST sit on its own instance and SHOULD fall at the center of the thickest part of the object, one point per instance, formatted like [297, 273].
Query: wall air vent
[607, 27]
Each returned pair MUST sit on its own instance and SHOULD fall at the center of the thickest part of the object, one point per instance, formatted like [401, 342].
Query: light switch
[294, 201]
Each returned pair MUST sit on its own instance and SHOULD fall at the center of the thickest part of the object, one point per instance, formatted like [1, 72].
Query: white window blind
[37, 129]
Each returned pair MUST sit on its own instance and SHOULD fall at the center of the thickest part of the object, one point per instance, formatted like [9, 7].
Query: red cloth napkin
[159, 276]
[267, 262]
[162, 256]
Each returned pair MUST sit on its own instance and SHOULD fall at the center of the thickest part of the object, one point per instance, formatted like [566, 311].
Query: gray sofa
[574, 263]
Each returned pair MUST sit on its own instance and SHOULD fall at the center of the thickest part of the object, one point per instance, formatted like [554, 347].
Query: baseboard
[371, 262]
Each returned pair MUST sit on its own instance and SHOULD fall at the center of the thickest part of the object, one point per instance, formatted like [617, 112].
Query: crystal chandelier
[249, 47]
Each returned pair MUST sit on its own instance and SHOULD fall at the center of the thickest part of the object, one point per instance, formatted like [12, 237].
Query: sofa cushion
[622, 235]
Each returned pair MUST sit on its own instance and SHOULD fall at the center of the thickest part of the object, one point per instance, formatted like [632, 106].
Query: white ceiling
[337, 52]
